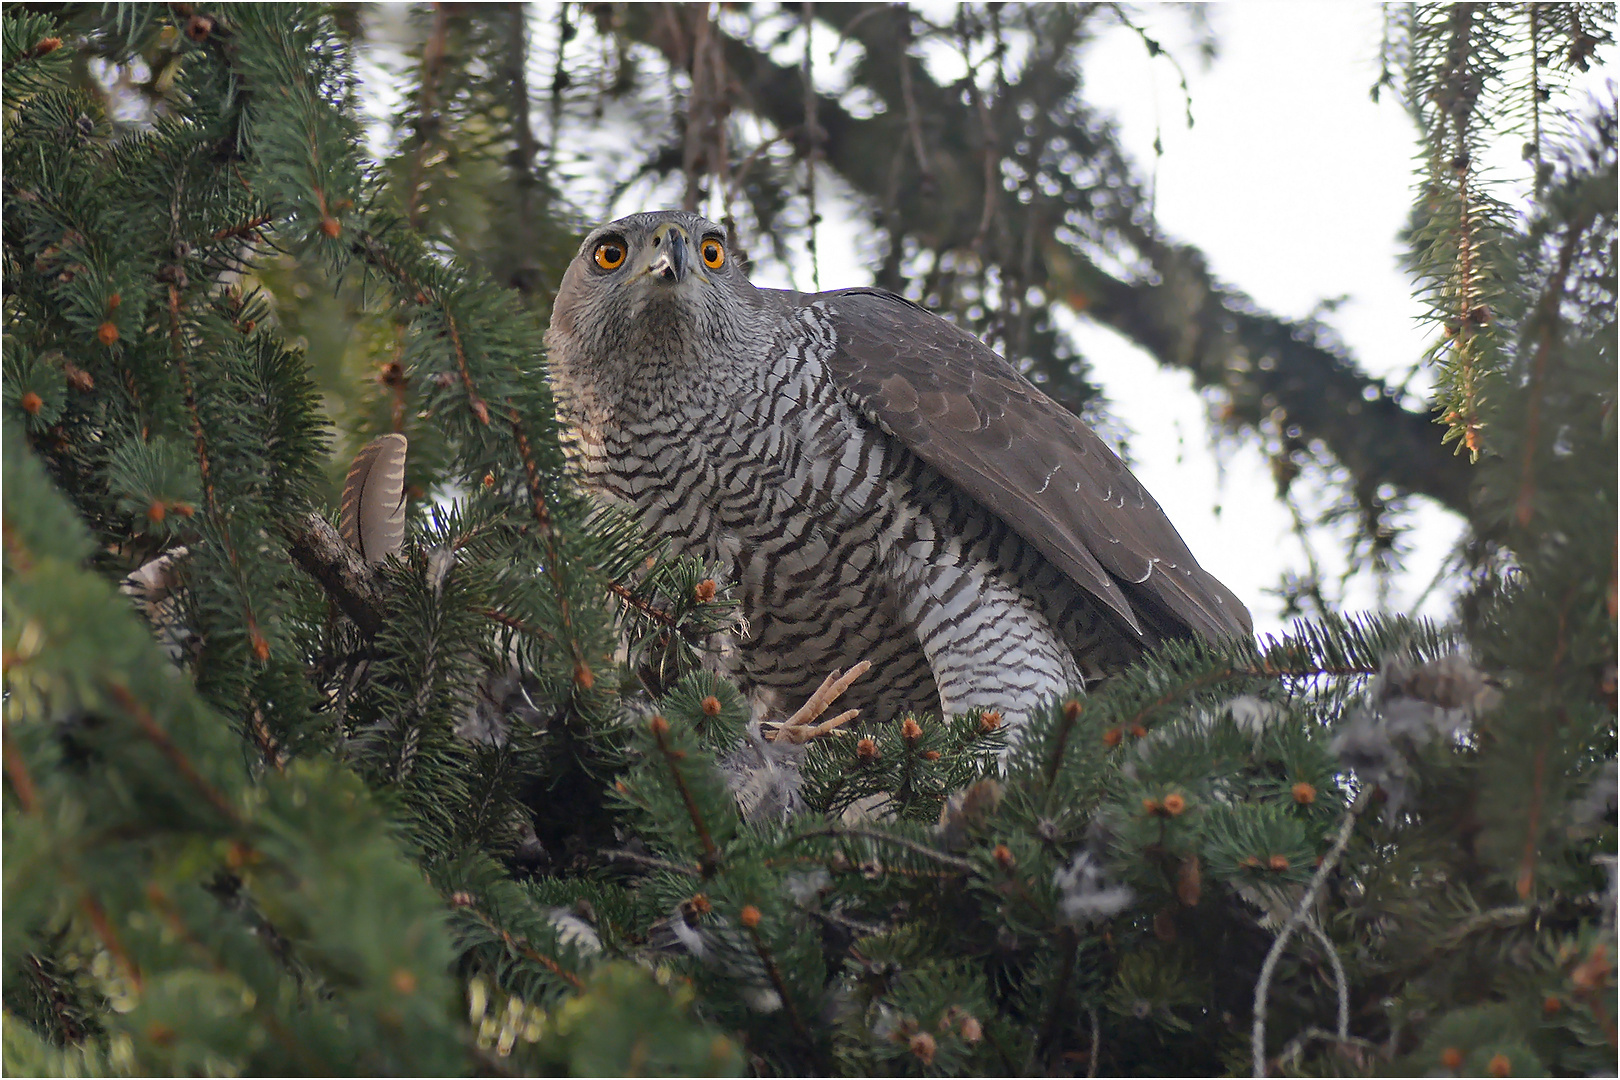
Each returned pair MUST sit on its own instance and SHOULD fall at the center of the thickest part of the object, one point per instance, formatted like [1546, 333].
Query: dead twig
[912, 846]
[1262, 988]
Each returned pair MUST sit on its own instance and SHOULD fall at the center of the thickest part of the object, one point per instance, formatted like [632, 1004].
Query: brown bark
[316, 546]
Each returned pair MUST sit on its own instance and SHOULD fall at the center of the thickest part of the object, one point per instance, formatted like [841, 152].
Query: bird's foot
[801, 727]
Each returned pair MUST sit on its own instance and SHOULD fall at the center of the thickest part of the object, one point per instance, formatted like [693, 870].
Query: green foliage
[131, 818]
[669, 1039]
[514, 822]
[907, 772]
[33, 57]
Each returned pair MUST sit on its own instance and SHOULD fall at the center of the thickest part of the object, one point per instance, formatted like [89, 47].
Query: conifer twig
[909, 96]
[1059, 992]
[519, 945]
[812, 139]
[256, 640]
[17, 769]
[427, 119]
[1262, 988]
[1496, 918]
[182, 931]
[514, 623]
[775, 975]
[476, 402]
[711, 853]
[642, 606]
[652, 862]
[553, 568]
[249, 227]
[1532, 832]
[1071, 713]
[108, 935]
[160, 738]
[1547, 314]
[912, 846]
[61, 1009]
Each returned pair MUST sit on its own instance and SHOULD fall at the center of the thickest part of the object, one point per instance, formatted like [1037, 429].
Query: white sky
[1294, 184]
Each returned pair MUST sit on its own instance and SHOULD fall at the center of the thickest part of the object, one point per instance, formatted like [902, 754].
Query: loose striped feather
[373, 506]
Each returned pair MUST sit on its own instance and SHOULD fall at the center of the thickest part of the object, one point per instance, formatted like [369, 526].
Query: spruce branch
[172, 918]
[772, 972]
[908, 95]
[22, 781]
[1544, 732]
[652, 863]
[524, 238]
[624, 593]
[427, 118]
[474, 400]
[68, 1022]
[519, 946]
[1462, 94]
[710, 861]
[109, 937]
[260, 647]
[249, 228]
[1068, 942]
[1494, 919]
[270, 751]
[166, 746]
[1060, 741]
[1096, 1040]
[514, 623]
[1547, 318]
[553, 563]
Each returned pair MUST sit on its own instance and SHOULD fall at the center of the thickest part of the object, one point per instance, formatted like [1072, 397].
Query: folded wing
[965, 410]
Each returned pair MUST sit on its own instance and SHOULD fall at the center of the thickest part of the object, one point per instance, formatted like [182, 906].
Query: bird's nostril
[657, 240]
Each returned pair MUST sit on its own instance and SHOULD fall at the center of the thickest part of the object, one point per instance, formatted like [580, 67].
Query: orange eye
[610, 254]
[714, 256]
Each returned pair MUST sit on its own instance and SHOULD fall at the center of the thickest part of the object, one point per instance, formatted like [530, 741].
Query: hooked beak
[671, 255]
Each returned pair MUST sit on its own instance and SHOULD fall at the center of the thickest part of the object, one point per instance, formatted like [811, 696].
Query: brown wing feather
[962, 408]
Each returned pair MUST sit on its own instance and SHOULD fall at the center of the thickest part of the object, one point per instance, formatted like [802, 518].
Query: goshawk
[878, 482]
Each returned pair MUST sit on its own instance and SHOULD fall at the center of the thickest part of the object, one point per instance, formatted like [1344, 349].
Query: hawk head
[652, 290]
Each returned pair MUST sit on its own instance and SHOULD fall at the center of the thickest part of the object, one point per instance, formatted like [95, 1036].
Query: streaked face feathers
[657, 285]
